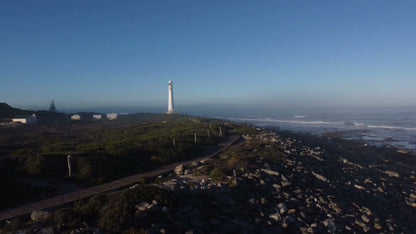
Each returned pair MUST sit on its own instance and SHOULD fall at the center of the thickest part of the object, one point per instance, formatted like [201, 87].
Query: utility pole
[220, 133]
[69, 165]
[195, 137]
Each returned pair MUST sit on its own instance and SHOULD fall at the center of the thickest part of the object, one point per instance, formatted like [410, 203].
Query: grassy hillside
[7, 111]
[101, 150]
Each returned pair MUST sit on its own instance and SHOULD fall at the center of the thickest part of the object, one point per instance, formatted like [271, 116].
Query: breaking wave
[391, 127]
[288, 121]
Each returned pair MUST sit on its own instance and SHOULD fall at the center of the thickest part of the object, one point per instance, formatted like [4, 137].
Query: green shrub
[47, 165]
[246, 130]
[217, 174]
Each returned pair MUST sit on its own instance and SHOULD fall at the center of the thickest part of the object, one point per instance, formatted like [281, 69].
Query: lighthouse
[170, 103]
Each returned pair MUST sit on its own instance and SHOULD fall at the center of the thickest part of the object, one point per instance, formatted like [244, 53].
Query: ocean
[382, 129]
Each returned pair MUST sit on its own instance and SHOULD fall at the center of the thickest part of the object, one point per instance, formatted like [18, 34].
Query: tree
[52, 106]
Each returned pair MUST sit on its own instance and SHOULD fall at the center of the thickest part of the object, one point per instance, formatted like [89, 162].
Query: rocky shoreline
[270, 183]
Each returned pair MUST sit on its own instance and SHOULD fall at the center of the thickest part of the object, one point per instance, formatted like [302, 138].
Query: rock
[330, 224]
[377, 226]
[392, 174]
[305, 230]
[46, 230]
[380, 189]
[359, 187]
[134, 186]
[285, 183]
[282, 208]
[291, 211]
[195, 164]
[290, 221]
[164, 210]
[276, 186]
[143, 206]
[319, 177]
[187, 172]
[179, 170]
[365, 218]
[270, 172]
[275, 216]
[40, 216]
[362, 225]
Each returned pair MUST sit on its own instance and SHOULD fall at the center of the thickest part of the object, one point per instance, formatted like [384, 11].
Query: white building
[170, 101]
[112, 116]
[97, 116]
[75, 117]
[31, 119]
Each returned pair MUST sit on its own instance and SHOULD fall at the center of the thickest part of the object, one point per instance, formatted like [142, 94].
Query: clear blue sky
[268, 54]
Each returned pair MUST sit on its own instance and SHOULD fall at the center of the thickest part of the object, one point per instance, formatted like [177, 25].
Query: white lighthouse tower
[170, 103]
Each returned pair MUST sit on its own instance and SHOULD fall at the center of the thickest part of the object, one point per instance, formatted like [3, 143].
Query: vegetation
[7, 111]
[243, 156]
[246, 130]
[114, 213]
[102, 150]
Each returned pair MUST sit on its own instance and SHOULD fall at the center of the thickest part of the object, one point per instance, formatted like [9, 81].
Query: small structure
[75, 117]
[97, 116]
[112, 116]
[31, 119]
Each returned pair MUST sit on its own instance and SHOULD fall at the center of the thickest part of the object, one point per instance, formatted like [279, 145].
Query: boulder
[275, 216]
[179, 170]
[143, 206]
[392, 174]
[282, 208]
[290, 221]
[40, 216]
[330, 225]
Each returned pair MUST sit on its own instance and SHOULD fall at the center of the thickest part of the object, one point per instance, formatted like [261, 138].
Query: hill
[6, 111]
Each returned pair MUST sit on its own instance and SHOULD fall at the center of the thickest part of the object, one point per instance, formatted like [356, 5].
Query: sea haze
[388, 128]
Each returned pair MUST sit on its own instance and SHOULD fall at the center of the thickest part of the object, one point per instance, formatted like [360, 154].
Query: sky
[252, 55]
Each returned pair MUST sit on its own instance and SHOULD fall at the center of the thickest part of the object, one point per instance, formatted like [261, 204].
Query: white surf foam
[300, 116]
[391, 127]
[288, 121]
[359, 124]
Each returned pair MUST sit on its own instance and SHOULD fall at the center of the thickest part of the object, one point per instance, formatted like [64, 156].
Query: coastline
[286, 182]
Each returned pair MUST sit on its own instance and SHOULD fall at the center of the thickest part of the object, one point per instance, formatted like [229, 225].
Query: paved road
[114, 185]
